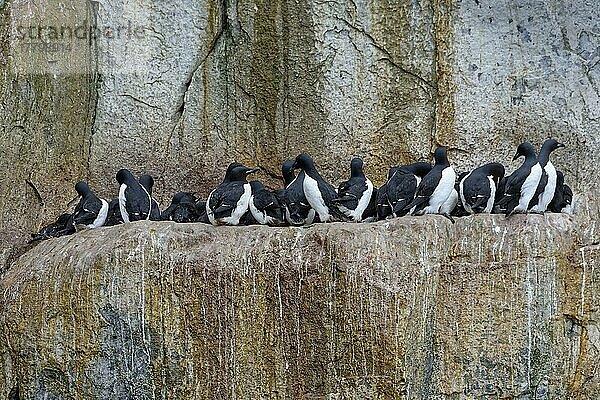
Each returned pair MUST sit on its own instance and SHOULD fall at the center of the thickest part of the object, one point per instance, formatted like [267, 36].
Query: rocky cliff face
[178, 89]
[414, 308]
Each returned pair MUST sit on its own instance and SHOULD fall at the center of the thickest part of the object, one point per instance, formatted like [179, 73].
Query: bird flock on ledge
[415, 189]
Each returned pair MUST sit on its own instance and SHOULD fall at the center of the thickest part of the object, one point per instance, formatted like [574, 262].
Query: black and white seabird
[265, 206]
[182, 208]
[478, 188]
[61, 227]
[147, 183]
[114, 213]
[402, 185]
[356, 194]
[229, 201]
[297, 210]
[547, 184]
[435, 187]
[91, 211]
[319, 193]
[520, 186]
[135, 202]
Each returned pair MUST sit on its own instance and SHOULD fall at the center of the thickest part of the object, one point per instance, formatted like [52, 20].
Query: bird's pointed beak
[252, 170]
[560, 145]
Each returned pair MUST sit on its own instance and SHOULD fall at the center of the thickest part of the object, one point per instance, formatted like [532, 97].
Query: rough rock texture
[414, 308]
[180, 88]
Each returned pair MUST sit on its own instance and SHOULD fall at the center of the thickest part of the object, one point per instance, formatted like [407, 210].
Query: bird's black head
[440, 156]
[230, 169]
[239, 173]
[82, 188]
[147, 182]
[287, 170]
[256, 186]
[356, 167]
[185, 212]
[551, 145]
[496, 169]
[524, 150]
[303, 161]
[419, 168]
[233, 165]
[184, 197]
[124, 175]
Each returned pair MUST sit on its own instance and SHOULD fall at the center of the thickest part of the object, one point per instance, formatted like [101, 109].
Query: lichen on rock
[414, 307]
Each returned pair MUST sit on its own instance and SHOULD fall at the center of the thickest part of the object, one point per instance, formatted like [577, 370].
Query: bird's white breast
[442, 191]
[363, 203]
[461, 189]
[122, 202]
[314, 197]
[529, 187]
[101, 217]
[548, 194]
[490, 203]
[240, 208]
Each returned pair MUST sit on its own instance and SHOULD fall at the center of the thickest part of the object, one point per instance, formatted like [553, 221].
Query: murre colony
[415, 189]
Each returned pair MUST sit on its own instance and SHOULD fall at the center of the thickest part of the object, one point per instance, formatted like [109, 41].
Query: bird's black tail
[337, 214]
[418, 201]
[480, 203]
[399, 208]
[504, 200]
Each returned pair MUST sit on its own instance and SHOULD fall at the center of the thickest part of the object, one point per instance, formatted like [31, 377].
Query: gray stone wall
[413, 308]
[208, 82]
[197, 85]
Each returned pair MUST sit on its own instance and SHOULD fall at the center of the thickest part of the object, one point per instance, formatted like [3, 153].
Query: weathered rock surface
[205, 82]
[168, 311]
[413, 308]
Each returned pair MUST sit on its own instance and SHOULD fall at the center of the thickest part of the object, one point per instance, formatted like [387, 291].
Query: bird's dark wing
[512, 186]
[476, 190]
[350, 192]
[382, 204]
[137, 202]
[327, 191]
[425, 189]
[265, 200]
[516, 179]
[114, 214]
[295, 200]
[87, 210]
[155, 211]
[344, 187]
[401, 190]
[539, 190]
[225, 197]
